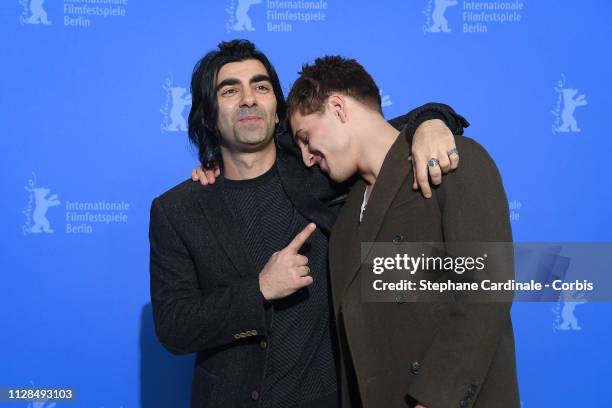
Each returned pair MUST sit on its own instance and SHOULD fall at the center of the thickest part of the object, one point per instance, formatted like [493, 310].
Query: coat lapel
[344, 246]
[222, 224]
[349, 233]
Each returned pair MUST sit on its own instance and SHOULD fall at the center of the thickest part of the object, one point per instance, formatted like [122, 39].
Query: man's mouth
[322, 164]
[249, 119]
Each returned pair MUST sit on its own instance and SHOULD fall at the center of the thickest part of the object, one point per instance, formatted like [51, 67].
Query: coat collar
[348, 236]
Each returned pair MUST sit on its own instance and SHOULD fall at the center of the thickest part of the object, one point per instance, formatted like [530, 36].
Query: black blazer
[205, 297]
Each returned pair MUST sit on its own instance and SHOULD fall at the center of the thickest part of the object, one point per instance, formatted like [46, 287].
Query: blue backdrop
[94, 101]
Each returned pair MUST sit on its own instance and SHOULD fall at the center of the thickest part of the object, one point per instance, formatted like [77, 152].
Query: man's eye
[262, 88]
[229, 91]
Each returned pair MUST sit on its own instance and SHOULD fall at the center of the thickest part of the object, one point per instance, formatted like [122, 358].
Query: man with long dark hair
[239, 267]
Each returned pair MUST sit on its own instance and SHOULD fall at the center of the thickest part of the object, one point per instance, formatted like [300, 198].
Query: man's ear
[337, 106]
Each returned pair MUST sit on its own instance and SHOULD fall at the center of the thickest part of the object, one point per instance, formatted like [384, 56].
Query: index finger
[422, 175]
[300, 238]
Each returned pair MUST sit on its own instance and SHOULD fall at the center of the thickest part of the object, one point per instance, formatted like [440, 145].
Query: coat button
[254, 395]
[254, 332]
[415, 367]
[236, 336]
[397, 238]
[263, 344]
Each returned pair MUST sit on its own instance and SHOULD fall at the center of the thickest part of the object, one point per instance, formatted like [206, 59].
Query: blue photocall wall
[94, 104]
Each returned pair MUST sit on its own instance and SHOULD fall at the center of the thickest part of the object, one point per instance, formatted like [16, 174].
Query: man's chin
[255, 143]
[335, 177]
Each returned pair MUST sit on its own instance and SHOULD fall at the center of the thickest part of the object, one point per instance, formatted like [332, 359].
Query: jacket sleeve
[475, 210]
[432, 110]
[189, 318]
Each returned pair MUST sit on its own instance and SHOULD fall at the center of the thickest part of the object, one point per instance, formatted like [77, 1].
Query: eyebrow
[235, 81]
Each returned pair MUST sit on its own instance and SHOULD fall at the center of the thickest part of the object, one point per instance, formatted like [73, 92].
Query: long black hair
[203, 131]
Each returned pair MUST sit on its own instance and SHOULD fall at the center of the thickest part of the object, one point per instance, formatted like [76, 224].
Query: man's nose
[248, 98]
[308, 158]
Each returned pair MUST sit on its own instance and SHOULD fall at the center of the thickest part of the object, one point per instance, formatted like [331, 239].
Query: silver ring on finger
[433, 162]
[453, 151]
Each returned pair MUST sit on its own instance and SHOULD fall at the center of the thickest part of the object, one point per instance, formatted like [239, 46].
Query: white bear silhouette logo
[179, 102]
[240, 20]
[440, 23]
[42, 204]
[570, 103]
[176, 101]
[567, 102]
[38, 15]
[570, 301]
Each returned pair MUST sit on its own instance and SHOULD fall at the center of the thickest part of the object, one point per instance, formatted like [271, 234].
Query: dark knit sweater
[300, 369]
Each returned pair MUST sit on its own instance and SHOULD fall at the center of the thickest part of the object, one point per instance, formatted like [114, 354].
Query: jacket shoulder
[180, 193]
[468, 143]
[472, 153]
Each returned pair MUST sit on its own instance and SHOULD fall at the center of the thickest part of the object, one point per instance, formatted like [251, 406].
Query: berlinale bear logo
[177, 99]
[239, 15]
[565, 317]
[567, 102]
[436, 21]
[34, 13]
[36, 210]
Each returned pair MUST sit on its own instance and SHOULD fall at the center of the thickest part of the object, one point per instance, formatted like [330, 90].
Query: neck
[239, 165]
[376, 136]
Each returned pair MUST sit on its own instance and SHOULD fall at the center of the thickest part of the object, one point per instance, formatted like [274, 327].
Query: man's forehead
[244, 70]
[301, 123]
[295, 121]
[301, 119]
